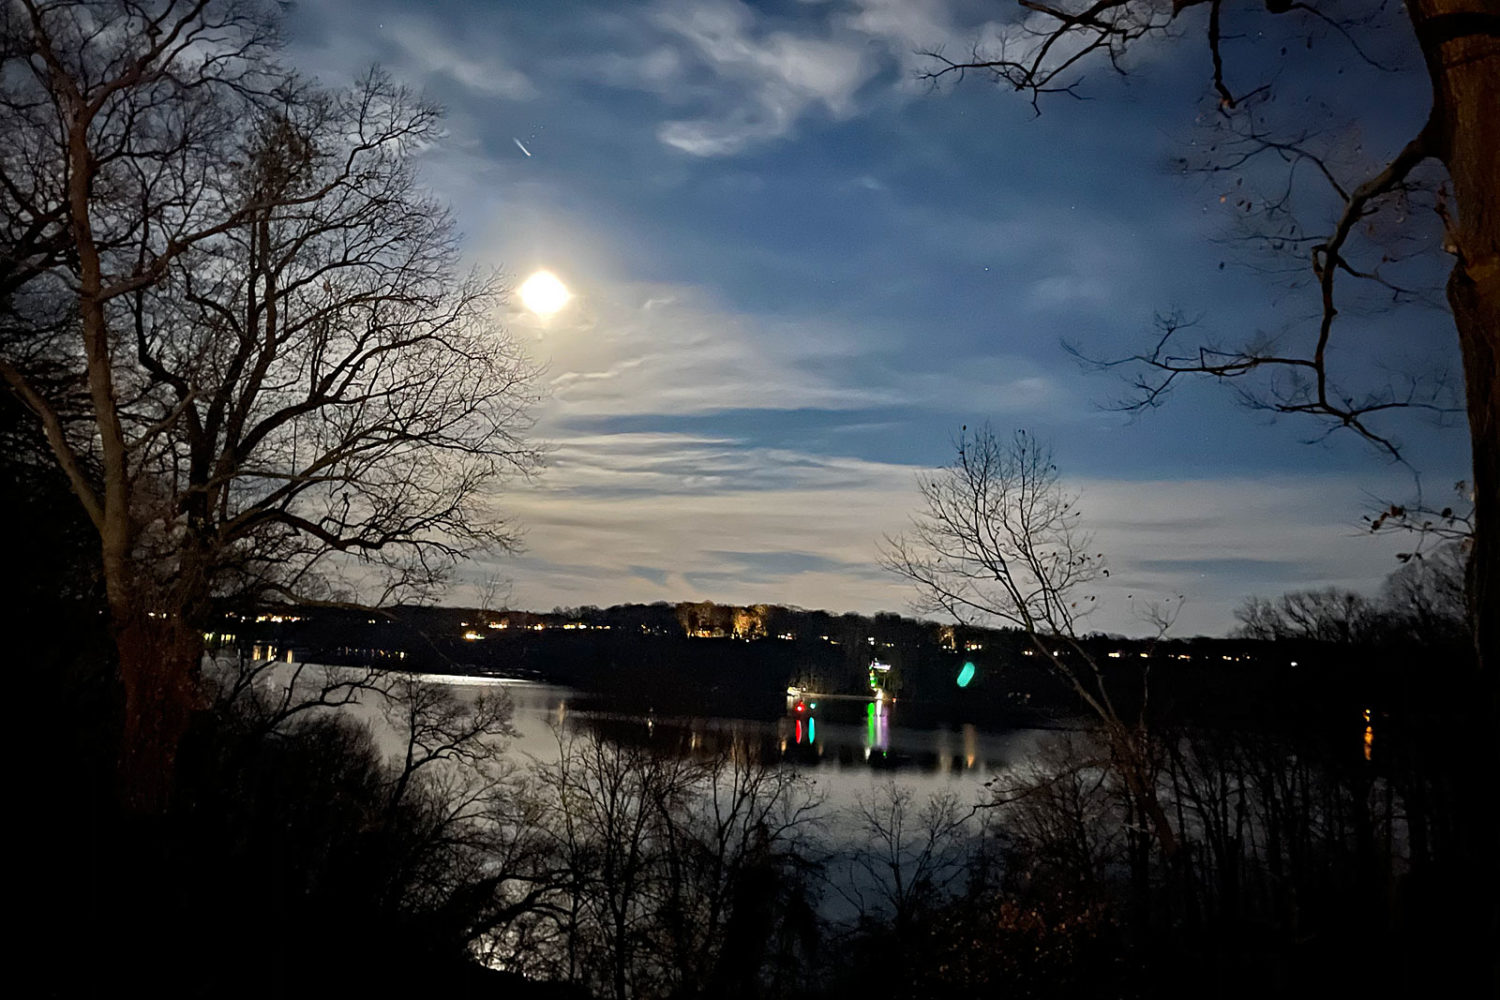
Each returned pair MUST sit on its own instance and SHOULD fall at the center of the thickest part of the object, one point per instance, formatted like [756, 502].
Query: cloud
[767, 80]
[650, 575]
[776, 565]
[908, 28]
[782, 526]
[742, 375]
[658, 70]
[431, 54]
[634, 349]
[684, 465]
[1217, 541]
[343, 39]
[1070, 292]
[655, 349]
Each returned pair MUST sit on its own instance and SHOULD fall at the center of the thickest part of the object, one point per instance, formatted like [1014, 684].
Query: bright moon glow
[543, 294]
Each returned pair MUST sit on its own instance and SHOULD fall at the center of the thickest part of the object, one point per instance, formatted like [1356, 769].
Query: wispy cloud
[796, 528]
[423, 50]
[1217, 541]
[751, 524]
[770, 78]
[471, 62]
[638, 349]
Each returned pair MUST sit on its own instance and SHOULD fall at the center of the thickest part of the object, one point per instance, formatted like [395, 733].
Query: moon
[544, 294]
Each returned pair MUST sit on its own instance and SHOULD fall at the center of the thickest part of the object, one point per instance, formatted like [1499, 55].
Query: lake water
[844, 745]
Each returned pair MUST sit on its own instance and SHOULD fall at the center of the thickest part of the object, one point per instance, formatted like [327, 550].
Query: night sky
[798, 269]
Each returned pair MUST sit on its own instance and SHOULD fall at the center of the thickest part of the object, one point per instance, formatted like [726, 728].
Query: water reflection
[836, 733]
[280, 654]
[877, 728]
[834, 736]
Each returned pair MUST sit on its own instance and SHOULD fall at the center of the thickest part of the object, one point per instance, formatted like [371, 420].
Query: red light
[801, 707]
[799, 730]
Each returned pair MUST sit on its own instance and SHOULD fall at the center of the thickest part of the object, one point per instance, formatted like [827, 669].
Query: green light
[812, 731]
[870, 716]
[966, 675]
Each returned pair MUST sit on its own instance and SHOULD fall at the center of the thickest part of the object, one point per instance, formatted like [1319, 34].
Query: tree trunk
[159, 666]
[1460, 40]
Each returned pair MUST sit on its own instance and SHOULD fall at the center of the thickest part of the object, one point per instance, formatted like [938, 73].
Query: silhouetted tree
[258, 334]
[681, 867]
[1425, 600]
[1046, 50]
[1330, 615]
[998, 541]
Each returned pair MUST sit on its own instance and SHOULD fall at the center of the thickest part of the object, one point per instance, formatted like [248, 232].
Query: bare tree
[441, 730]
[463, 830]
[609, 801]
[1425, 599]
[1459, 41]
[494, 597]
[736, 855]
[268, 378]
[1328, 615]
[909, 854]
[263, 696]
[998, 542]
[681, 866]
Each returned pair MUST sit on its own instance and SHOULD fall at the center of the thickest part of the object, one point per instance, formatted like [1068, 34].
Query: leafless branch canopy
[290, 385]
[998, 540]
[1362, 240]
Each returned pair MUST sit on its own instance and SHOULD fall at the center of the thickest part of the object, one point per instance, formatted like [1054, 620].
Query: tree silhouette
[1459, 40]
[254, 327]
[998, 541]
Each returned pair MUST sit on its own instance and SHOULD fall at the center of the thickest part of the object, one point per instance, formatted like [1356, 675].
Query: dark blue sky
[797, 269]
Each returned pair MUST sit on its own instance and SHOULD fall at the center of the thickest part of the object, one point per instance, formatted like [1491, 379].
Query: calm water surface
[845, 745]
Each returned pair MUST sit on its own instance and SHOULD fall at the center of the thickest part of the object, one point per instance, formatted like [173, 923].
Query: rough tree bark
[1460, 41]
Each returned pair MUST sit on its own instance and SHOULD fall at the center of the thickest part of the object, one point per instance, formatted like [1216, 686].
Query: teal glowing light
[812, 731]
[966, 675]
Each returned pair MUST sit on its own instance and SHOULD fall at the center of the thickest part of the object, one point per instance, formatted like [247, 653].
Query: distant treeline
[701, 655]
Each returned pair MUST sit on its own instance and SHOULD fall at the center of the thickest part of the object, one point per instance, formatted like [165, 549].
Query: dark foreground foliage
[286, 868]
